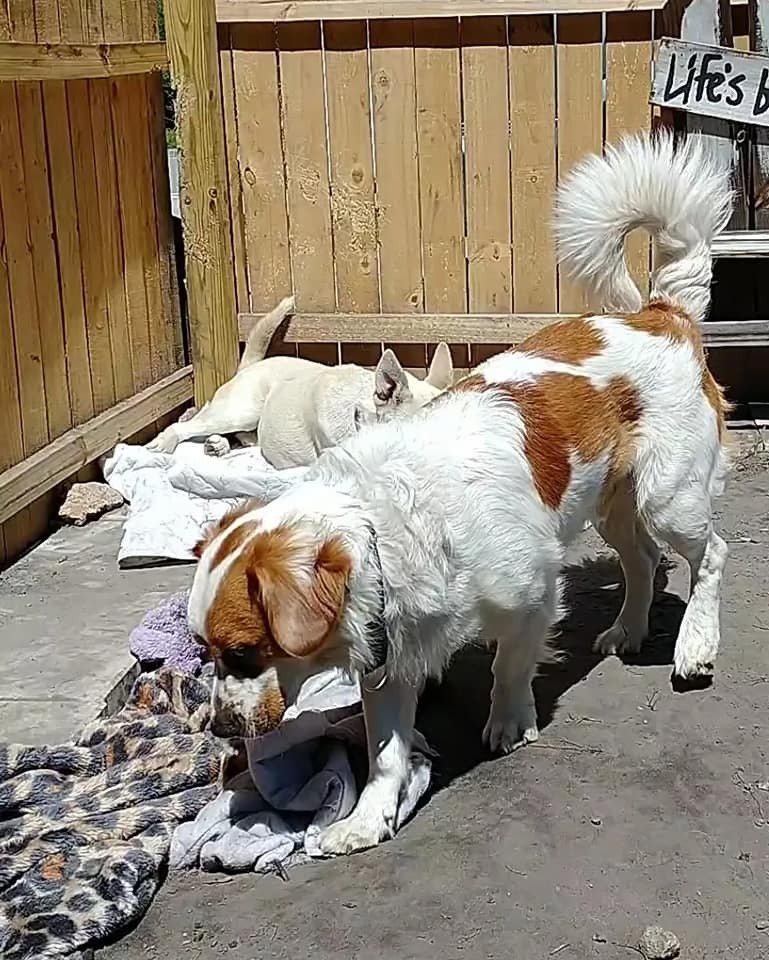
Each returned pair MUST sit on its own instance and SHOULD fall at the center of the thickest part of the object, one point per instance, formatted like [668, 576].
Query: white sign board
[712, 81]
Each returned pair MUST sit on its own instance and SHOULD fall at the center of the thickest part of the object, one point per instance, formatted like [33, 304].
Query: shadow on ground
[452, 714]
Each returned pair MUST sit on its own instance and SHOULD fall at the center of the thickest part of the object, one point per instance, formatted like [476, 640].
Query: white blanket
[173, 497]
[299, 780]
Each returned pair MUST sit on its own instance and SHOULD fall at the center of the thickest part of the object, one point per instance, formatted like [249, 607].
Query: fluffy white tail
[262, 332]
[679, 193]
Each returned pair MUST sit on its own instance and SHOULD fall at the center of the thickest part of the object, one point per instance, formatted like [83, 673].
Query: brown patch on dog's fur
[216, 528]
[567, 341]
[233, 541]
[563, 413]
[661, 319]
[260, 603]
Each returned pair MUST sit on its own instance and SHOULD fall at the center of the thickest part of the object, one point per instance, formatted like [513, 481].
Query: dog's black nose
[225, 727]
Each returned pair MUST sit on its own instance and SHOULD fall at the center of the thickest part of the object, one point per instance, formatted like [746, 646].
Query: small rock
[599, 938]
[659, 944]
[762, 924]
[87, 501]
[596, 821]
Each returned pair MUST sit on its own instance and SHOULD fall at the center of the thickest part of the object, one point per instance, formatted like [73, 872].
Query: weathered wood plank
[352, 171]
[439, 140]
[580, 114]
[395, 139]
[34, 61]
[24, 482]
[533, 161]
[487, 163]
[250, 10]
[192, 44]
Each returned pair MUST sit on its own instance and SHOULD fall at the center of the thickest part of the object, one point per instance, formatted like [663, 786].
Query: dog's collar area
[378, 637]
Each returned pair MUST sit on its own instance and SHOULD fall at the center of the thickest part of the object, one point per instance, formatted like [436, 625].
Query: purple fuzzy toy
[163, 637]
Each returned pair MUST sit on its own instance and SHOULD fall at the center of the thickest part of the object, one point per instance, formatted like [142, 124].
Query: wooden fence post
[192, 47]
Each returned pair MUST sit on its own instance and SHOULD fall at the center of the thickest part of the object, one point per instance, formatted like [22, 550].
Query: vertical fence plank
[21, 14]
[70, 21]
[127, 131]
[486, 109]
[191, 38]
[18, 246]
[235, 197]
[93, 24]
[112, 244]
[91, 247]
[12, 447]
[68, 250]
[393, 90]
[579, 82]
[533, 161]
[628, 71]
[141, 193]
[306, 157]
[439, 140]
[131, 17]
[47, 26]
[262, 180]
[170, 329]
[487, 163]
[44, 264]
[395, 141]
[113, 23]
[5, 25]
[352, 175]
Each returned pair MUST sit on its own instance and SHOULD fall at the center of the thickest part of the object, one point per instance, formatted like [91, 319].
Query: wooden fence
[393, 162]
[90, 329]
[398, 174]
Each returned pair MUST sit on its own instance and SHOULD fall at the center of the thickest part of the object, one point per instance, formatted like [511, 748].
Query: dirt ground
[639, 805]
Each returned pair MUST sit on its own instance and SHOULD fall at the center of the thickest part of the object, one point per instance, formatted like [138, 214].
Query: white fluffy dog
[294, 408]
[420, 535]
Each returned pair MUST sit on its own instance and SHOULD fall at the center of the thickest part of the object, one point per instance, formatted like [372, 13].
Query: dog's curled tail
[261, 334]
[679, 193]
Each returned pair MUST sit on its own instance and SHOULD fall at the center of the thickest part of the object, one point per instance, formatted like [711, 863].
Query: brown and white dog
[422, 534]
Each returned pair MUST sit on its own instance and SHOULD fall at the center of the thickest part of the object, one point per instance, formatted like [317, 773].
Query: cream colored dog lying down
[294, 408]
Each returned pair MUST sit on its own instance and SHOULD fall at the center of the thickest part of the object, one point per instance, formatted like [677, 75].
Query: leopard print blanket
[85, 828]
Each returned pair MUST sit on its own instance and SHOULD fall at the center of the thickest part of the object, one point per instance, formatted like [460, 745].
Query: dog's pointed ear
[300, 588]
[391, 385]
[441, 372]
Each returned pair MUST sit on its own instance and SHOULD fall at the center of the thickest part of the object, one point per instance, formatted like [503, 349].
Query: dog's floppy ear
[300, 588]
[441, 372]
[391, 385]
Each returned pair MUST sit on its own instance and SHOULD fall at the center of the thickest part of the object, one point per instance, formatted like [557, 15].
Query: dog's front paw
[352, 834]
[216, 446]
[509, 728]
[165, 442]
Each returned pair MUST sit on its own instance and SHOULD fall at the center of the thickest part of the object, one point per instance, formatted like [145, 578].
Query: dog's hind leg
[639, 555]
[225, 413]
[686, 525]
[521, 646]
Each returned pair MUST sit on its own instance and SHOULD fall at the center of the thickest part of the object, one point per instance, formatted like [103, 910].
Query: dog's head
[398, 393]
[266, 600]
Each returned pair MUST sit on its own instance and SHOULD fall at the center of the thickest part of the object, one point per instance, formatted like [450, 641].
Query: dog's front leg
[389, 714]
